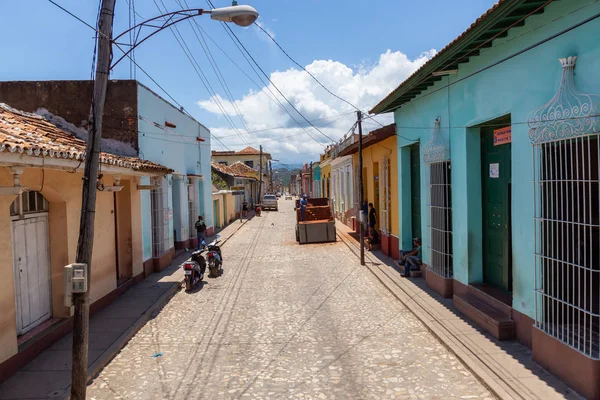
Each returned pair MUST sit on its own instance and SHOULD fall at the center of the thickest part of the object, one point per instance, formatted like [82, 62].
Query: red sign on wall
[502, 136]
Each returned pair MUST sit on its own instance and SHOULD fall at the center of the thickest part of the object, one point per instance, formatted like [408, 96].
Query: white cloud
[363, 86]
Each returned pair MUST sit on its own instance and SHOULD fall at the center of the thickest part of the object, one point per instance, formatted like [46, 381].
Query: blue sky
[362, 49]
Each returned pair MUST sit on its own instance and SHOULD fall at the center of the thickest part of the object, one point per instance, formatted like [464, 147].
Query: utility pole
[260, 177]
[271, 175]
[310, 181]
[88, 201]
[360, 189]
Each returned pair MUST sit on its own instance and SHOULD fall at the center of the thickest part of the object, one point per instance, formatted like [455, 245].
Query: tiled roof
[238, 169]
[241, 169]
[31, 134]
[479, 35]
[248, 151]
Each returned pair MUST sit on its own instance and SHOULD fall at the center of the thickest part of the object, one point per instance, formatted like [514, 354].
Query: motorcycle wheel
[188, 285]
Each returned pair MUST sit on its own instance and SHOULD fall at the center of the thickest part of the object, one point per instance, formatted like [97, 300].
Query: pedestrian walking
[244, 209]
[200, 229]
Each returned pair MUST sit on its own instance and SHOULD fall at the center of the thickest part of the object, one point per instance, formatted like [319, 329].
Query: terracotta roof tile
[31, 134]
[241, 169]
[248, 151]
[238, 169]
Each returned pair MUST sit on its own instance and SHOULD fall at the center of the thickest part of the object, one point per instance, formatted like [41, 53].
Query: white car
[269, 201]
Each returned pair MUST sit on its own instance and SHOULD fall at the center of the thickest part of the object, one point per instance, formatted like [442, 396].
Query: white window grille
[160, 221]
[440, 218]
[192, 192]
[566, 146]
[567, 207]
[384, 196]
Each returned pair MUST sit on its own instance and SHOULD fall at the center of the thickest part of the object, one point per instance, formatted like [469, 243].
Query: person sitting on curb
[411, 259]
[373, 237]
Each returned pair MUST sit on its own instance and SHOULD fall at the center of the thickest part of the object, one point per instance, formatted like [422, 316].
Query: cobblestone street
[285, 321]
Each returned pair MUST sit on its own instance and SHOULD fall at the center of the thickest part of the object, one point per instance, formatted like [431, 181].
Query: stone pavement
[285, 321]
[506, 367]
[49, 374]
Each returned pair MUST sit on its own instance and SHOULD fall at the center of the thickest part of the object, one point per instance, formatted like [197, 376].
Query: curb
[108, 355]
[479, 370]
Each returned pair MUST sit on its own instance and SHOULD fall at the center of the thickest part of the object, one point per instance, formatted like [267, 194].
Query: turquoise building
[498, 173]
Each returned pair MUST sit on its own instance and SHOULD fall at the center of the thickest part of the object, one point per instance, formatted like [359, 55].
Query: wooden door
[32, 272]
[496, 195]
[415, 189]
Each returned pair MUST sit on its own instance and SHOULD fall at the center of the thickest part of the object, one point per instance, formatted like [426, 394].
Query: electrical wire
[503, 60]
[233, 35]
[136, 64]
[215, 67]
[309, 73]
[196, 65]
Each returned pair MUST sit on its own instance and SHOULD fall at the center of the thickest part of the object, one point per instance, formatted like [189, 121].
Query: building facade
[252, 158]
[508, 178]
[316, 188]
[41, 170]
[138, 122]
[379, 183]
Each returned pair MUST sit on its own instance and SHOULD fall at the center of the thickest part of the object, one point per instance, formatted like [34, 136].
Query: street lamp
[240, 15]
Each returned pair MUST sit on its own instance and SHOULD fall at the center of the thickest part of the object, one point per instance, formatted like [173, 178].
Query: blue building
[172, 207]
[498, 137]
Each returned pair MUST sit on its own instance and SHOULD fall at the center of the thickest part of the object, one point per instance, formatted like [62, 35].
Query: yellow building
[41, 169]
[380, 182]
[325, 164]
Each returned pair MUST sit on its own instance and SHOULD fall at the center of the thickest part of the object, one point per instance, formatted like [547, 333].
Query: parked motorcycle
[194, 269]
[215, 259]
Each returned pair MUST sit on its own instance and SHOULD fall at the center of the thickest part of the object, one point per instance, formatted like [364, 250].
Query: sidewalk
[49, 374]
[505, 367]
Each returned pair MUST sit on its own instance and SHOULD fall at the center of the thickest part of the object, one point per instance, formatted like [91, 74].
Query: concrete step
[413, 274]
[491, 319]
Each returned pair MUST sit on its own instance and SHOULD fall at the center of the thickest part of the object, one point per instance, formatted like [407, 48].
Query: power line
[205, 81]
[137, 66]
[308, 72]
[216, 69]
[230, 31]
[338, 117]
[541, 42]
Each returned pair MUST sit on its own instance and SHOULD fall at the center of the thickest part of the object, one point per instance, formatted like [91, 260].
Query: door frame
[506, 275]
[15, 220]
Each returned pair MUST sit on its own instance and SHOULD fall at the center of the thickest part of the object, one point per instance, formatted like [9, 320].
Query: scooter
[215, 259]
[194, 269]
[258, 210]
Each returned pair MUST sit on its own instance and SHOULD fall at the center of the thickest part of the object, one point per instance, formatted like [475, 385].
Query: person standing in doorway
[365, 215]
[200, 229]
[372, 218]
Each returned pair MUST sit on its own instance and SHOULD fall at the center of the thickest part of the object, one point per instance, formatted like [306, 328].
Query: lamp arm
[170, 19]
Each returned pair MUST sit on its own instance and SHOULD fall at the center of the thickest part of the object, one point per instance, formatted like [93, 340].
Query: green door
[415, 189]
[216, 213]
[496, 195]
